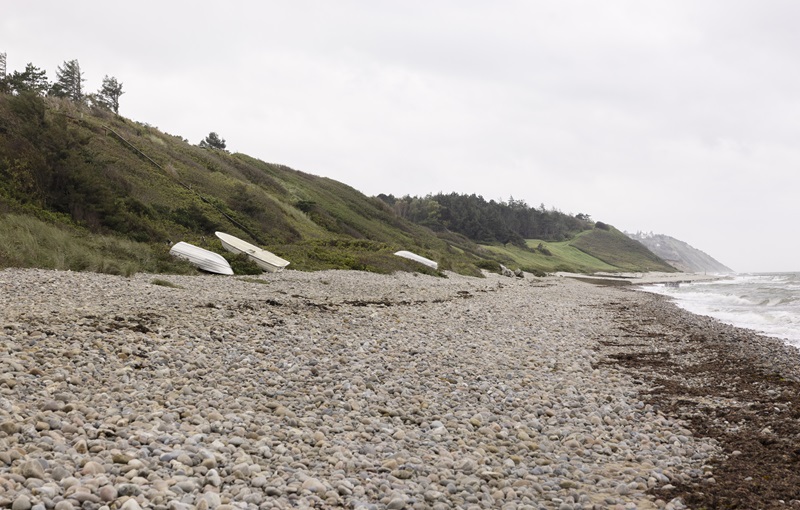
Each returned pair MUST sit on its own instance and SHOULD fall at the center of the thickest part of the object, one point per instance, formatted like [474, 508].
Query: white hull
[417, 258]
[204, 259]
[266, 260]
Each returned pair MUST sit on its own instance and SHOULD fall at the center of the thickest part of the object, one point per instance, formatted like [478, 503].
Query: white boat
[266, 260]
[204, 259]
[418, 258]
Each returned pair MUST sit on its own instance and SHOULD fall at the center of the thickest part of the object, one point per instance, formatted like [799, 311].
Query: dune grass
[26, 241]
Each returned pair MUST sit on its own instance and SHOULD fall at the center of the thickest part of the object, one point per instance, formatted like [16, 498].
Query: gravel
[324, 390]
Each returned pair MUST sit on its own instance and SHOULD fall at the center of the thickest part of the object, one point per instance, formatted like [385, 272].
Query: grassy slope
[167, 190]
[615, 248]
[564, 257]
[117, 208]
[29, 242]
[591, 251]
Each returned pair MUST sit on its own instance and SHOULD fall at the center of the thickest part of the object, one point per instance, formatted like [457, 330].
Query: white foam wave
[767, 303]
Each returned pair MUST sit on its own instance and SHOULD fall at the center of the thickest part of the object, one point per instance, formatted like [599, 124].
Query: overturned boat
[266, 260]
[202, 258]
[418, 258]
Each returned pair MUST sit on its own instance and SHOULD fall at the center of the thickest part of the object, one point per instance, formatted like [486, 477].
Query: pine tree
[32, 79]
[69, 81]
[108, 95]
[213, 141]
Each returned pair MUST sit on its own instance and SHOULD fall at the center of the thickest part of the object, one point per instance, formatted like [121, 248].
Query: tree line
[491, 221]
[68, 84]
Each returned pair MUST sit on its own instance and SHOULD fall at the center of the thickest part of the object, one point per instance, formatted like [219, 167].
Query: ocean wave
[768, 303]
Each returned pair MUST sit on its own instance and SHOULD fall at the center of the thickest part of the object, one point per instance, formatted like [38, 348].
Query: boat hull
[203, 259]
[266, 260]
[418, 258]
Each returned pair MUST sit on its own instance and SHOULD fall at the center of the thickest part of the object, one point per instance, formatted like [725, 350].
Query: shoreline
[734, 385]
[651, 278]
[341, 388]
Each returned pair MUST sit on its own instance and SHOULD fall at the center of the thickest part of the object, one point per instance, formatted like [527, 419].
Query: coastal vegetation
[489, 221]
[83, 188]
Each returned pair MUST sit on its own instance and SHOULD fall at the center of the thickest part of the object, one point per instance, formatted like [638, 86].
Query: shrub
[543, 250]
[305, 205]
[489, 265]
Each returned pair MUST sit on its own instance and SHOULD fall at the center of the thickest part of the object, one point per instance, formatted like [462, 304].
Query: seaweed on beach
[729, 384]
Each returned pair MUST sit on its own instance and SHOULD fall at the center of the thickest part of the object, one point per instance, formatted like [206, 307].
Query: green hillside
[596, 250]
[85, 189]
[613, 247]
[552, 257]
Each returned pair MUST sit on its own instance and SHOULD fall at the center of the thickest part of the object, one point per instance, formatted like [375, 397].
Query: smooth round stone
[131, 504]
[80, 497]
[396, 503]
[120, 458]
[22, 502]
[10, 427]
[169, 456]
[185, 460]
[313, 485]
[59, 473]
[53, 405]
[93, 468]
[107, 493]
[187, 486]
[68, 428]
[69, 481]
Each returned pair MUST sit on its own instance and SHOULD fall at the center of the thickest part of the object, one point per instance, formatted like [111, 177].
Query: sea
[765, 302]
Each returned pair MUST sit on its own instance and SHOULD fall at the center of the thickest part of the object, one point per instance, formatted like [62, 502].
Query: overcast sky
[678, 117]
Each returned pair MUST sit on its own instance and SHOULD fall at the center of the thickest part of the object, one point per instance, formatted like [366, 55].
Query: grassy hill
[85, 189]
[596, 250]
[613, 247]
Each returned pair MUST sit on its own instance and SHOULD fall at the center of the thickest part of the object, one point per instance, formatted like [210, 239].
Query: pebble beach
[333, 389]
